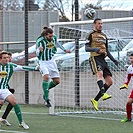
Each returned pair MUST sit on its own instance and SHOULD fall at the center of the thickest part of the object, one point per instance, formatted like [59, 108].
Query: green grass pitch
[39, 121]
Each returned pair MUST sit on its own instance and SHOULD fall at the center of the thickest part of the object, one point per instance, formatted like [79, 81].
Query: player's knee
[1, 103]
[46, 77]
[110, 83]
[57, 82]
[14, 102]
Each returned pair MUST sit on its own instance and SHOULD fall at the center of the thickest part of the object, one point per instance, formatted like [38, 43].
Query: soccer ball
[90, 13]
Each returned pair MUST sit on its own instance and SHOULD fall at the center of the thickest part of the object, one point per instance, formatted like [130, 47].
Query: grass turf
[39, 121]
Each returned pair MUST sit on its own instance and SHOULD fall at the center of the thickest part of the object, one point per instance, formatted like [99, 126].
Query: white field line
[74, 116]
[11, 131]
[92, 117]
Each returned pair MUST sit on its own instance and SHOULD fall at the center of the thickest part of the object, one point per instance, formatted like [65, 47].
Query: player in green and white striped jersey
[6, 71]
[45, 49]
[9, 107]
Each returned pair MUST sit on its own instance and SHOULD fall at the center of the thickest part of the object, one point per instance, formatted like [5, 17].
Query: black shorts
[98, 63]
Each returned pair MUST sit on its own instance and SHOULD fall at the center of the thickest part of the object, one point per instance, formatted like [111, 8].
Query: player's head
[131, 58]
[4, 59]
[43, 30]
[10, 56]
[48, 34]
[97, 24]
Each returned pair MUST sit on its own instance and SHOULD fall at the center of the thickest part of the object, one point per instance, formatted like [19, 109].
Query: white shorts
[50, 68]
[4, 93]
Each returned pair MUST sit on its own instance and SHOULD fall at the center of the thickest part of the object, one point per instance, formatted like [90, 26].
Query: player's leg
[54, 74]
[94, 67]
[52, 84]
[8, 96]
[7, 111]
[129, 108]
[45, 84]
[108, 82]
[97, 66]
[101, 93]
[108, 78]
[1, 103]
[100, 84]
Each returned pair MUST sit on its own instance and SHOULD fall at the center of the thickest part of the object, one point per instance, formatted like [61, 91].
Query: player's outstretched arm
[25, 68]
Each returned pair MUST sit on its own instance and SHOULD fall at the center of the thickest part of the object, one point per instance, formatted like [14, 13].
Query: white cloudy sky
[113, 4]
[106, 5]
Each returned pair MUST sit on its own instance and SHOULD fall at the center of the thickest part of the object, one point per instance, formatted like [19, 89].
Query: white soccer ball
[90, 13]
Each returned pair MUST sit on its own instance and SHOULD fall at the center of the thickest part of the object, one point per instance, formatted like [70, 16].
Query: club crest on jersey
[50, 45]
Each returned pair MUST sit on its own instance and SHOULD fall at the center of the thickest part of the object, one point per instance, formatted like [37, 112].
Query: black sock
[101, 86]
[99, 95]
[106, 87]
[7, 111]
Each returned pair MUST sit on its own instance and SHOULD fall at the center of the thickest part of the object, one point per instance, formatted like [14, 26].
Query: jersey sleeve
[128, 76]
[88, 44]
[58, 44]
[23, 68]
[108, 53]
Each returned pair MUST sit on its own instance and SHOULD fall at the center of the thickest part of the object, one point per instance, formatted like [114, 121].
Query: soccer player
[45, 50]
[6, 70]
[97, 45]
[9, 106]
[129, 75]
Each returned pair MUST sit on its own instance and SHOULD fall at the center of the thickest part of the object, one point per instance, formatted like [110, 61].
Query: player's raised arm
[60, 46]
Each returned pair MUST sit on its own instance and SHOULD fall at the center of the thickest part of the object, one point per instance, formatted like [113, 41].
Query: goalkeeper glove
[125, 86]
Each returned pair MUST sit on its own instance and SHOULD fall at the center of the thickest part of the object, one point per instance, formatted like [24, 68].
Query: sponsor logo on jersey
[3, 74]
[50, 45]
[101, 40]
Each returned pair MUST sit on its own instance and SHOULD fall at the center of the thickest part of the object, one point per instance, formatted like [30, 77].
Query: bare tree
[59, 5]
[95, 6]
[100, 4]
[113, 6]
